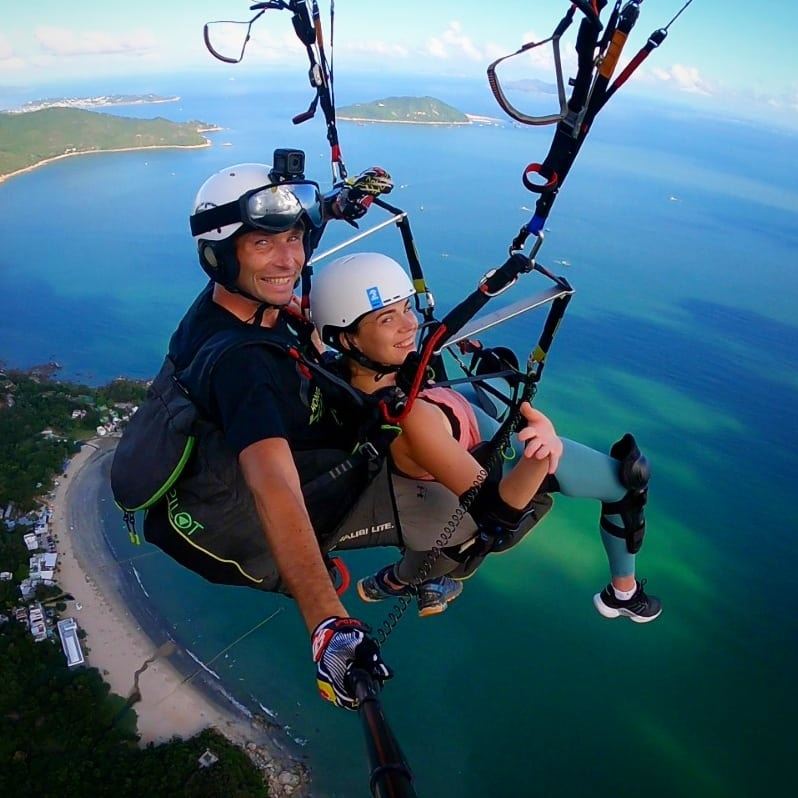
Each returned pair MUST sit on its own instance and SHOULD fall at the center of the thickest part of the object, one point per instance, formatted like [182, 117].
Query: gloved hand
[351, 200]
[339, 645]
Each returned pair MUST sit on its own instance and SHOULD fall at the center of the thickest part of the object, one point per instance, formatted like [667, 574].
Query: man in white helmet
[254, 227]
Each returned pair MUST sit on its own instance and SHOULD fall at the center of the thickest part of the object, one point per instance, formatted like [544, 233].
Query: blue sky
[735, 56]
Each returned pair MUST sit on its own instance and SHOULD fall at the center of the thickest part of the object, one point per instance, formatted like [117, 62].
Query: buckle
[369, 449]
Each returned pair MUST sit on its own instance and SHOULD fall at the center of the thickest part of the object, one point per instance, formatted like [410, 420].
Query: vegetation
[38, 432]
[62, 733]
[30, 138]
[421, 110]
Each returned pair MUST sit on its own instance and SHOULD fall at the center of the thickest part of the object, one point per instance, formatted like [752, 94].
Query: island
[38, 137]
[405, 110]
[94, 102]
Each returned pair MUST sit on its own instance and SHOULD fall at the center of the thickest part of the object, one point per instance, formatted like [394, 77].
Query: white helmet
[352, 286]
[232, 200]
[226, 186]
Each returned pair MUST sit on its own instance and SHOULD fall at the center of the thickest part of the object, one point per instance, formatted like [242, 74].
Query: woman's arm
[542, 454]
[426, 445]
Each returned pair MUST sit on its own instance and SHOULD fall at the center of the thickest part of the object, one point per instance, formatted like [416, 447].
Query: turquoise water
[681, 233]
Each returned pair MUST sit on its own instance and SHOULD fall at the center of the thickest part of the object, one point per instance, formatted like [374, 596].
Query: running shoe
[434, 595]
[382, 585]
[641, 608]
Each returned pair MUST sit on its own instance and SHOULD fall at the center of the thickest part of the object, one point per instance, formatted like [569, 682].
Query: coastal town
[42, 542]
[67, 617]
[101, 101]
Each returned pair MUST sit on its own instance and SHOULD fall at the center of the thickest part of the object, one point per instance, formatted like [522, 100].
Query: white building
[30, 541]
[42, 567]
[6, 576]
[27, 587]
[38, 628]
[68, 632]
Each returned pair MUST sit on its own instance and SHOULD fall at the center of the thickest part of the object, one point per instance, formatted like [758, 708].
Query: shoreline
[471, 119]
[46, 161]
[68, 102]
[129, 642]
[399, 121]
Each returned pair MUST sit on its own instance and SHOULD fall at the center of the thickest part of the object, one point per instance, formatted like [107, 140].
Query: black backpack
[174, 464]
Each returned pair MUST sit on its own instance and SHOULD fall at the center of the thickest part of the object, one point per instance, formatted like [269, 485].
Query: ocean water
[683, 329]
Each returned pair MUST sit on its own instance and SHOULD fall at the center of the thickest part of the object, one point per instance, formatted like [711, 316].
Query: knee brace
[634, 476]
[501, 527]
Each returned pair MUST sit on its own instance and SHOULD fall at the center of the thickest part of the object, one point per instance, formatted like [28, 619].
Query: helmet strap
[257, 316]
[353, 353]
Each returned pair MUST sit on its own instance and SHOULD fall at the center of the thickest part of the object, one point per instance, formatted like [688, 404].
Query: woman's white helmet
[352, 286]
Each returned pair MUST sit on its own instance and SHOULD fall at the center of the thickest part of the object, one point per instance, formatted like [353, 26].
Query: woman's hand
[314, 336]
[539, 437]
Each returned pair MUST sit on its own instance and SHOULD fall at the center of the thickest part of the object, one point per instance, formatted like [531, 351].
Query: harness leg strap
[634, 475]
[501, 527]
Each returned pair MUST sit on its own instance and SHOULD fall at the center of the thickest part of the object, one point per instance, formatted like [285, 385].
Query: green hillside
[29, 138]
[421, 110]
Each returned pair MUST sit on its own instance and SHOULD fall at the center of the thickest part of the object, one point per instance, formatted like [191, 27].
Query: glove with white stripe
[339, 645]
[351, 200]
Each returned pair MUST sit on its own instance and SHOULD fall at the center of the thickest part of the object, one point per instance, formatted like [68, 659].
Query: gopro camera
[287, 165]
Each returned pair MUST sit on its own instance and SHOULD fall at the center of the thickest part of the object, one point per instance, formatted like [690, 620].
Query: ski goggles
[274, 208]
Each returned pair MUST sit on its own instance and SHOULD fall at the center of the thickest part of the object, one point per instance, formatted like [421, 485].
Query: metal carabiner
[533, 252]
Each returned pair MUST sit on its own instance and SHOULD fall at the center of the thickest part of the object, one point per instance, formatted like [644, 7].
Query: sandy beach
[125, 641]
[30, 168]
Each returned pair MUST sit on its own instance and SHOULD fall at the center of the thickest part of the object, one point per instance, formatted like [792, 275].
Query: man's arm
[272, 478]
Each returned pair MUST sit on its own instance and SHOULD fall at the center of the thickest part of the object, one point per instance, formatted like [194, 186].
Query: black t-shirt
[258, 392]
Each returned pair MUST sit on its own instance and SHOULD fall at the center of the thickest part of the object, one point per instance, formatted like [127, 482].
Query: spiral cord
[498, 446]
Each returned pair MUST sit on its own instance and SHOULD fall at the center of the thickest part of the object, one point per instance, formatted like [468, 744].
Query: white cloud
[779, 102]
[372, 47]
[264, 45]
[9, 61]
[684, 78]
[6, 50]
[66, 42]
[453, 43]
[436, 49]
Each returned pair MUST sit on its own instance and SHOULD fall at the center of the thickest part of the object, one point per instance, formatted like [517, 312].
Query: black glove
[351, 200]
[339, 645]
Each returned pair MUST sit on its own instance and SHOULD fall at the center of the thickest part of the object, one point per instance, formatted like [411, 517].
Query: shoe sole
[363, 596]
[370, 600]
[611, 612]
[439, 608]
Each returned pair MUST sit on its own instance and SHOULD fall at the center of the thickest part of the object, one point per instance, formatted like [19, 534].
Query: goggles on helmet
[273, 208]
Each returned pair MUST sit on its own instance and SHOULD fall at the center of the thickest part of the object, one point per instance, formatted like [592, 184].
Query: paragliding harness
[173, 463]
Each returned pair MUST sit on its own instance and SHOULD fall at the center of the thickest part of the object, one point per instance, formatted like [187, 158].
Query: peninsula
[93, 102]
[405, 110]
[38, 137]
